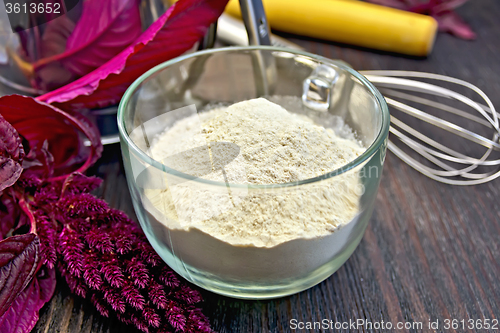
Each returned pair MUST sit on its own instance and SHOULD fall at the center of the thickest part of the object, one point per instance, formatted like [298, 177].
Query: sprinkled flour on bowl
[254, 142]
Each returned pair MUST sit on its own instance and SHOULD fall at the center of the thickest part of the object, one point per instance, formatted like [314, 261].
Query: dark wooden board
[431, 251]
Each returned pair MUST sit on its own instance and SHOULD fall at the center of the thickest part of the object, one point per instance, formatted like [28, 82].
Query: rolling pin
[351, 22]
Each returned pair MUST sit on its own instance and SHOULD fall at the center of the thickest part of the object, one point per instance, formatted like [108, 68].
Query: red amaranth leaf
[104, 29]
[19, 258]
[55, 36]
[441, 10]
[39, 161]
[11, 154]
[452, 23]
[53, 42]
[38, 122]
[172, 34]
[22, 315]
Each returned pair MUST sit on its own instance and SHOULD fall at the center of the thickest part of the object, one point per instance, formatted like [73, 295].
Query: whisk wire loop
[395, 85]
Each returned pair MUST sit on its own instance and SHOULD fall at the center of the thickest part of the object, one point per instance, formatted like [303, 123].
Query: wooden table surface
[431, 251]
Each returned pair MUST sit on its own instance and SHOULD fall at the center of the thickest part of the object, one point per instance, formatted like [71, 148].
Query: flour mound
[255, 142]
[278, 146]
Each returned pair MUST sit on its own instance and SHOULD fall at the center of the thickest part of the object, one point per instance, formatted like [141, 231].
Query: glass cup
[329, 92]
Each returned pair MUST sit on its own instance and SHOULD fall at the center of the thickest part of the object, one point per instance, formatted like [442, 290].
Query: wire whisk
[447, 165]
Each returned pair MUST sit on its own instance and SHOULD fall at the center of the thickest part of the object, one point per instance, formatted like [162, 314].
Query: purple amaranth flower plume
[49, 220]
[105, 257]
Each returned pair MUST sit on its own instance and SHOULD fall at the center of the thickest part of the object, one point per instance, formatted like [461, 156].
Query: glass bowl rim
[368, 153]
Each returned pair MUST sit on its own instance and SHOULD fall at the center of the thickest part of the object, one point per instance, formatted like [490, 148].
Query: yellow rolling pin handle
[351, 22]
